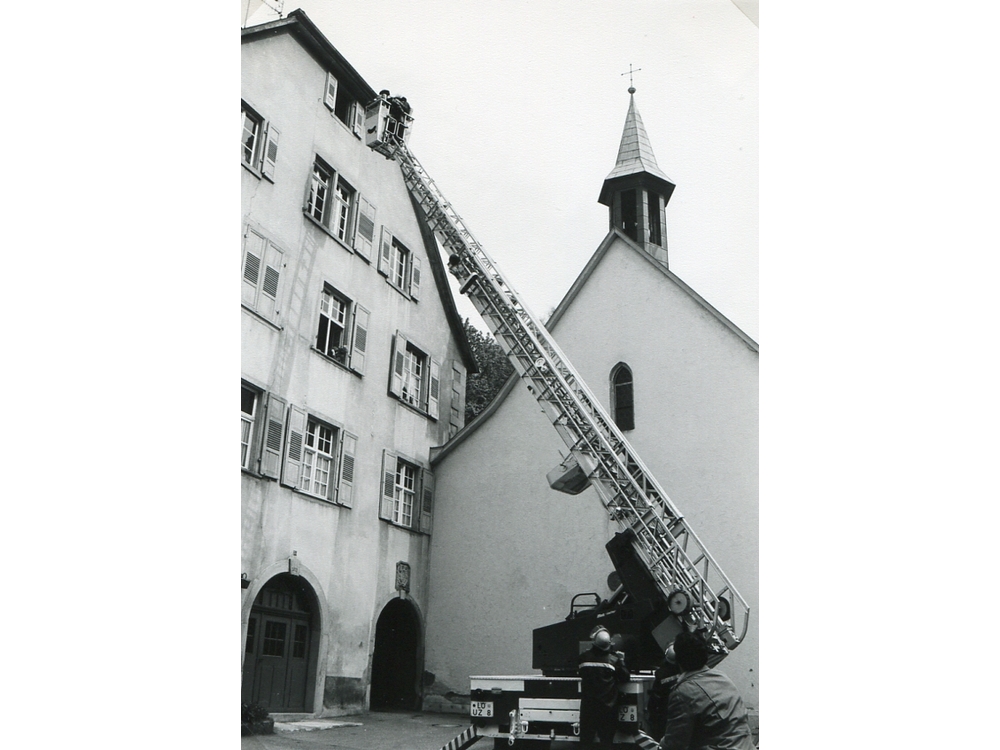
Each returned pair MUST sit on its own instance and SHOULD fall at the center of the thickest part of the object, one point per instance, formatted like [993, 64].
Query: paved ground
[375, 730]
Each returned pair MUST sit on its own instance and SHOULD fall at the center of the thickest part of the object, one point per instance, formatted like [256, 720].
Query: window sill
[337, 362]
[326, 230]
[256, 172]
[395, 525]
[324, 500]
[260, 317]
[415, 409]
[405, 293]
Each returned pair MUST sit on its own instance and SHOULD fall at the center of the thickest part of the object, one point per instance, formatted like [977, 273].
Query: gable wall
[528, 549]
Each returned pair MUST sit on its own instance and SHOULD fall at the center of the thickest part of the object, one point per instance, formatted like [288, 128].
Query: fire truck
[665, 580]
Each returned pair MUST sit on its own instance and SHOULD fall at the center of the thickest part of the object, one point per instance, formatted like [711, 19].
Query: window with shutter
[258, 143]
[262, 265]
[387, 485]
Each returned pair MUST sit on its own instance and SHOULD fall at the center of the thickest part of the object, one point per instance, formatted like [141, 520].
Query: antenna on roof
[631, 87]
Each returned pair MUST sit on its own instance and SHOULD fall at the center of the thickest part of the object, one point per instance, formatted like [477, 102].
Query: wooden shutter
[385, 253]
[293, 448]
[358, 120]
[414, 276]
[364, 236]
[348, 452]
[359, 339]
[267, 301]
[270, 458]
[457, 397]
[330, 93]
[426, 502]
[270, 152]
[387, 485]
[396, 366]
[434, 389]
[253, 258]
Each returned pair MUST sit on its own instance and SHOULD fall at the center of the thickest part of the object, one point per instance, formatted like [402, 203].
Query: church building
[680, 381]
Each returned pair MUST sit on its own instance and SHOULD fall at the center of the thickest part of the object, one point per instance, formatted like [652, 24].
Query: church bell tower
[636, 191]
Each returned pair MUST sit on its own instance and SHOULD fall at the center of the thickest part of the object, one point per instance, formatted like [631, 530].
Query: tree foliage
[494, 369]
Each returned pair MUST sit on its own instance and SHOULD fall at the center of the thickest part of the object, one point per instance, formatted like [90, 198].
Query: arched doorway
[279, 666]
[394, 663]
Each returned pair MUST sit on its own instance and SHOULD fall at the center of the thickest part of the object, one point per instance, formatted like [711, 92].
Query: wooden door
[276, 663]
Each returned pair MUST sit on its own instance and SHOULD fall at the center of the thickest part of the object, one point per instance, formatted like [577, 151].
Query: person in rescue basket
[705, 710]
[601, 669]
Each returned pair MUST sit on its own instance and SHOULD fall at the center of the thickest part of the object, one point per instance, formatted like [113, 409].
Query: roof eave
[309, 35]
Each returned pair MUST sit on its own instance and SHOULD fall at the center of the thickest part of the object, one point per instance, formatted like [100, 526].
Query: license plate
[628, 713]
[481, 709]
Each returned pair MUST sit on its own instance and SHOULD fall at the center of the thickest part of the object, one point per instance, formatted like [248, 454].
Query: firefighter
[656, 701]
[601, 669]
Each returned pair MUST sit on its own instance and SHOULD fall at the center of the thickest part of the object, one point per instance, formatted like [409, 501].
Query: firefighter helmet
[602, 639]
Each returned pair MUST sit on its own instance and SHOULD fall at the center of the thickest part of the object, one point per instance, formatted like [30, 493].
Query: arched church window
[622, 404]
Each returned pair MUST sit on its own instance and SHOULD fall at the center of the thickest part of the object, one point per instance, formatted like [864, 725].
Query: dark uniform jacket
[600, 673]
[705, 712]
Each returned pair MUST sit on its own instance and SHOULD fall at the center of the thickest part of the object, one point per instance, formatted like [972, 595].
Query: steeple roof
[636, 164]
[635, 154]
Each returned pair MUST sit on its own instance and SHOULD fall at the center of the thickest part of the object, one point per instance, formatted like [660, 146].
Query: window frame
[340, 211]
[342, 457]
[313, 453]
[392, 493]
[354, 331]
[428, 397]
[268, 432]
[391, 250]
[265, 149]
[620, 411]
[250, 463]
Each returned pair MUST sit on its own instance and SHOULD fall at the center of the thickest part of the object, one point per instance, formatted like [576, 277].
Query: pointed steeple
[637, 191]
[635, 154]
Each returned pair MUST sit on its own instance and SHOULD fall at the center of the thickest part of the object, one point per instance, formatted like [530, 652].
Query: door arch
[282, 646]
[395, 675]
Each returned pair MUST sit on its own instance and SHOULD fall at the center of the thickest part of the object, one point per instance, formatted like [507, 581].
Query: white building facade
[353, 366]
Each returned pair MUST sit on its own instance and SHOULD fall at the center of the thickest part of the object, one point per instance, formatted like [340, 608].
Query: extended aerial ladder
[695, 589]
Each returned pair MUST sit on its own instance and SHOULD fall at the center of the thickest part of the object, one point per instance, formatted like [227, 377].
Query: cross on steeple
[631, 87]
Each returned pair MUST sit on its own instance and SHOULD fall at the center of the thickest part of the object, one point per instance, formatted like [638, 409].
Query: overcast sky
[519, 108]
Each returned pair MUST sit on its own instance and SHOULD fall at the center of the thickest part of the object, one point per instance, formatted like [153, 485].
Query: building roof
[309, 35]
[636, 162]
